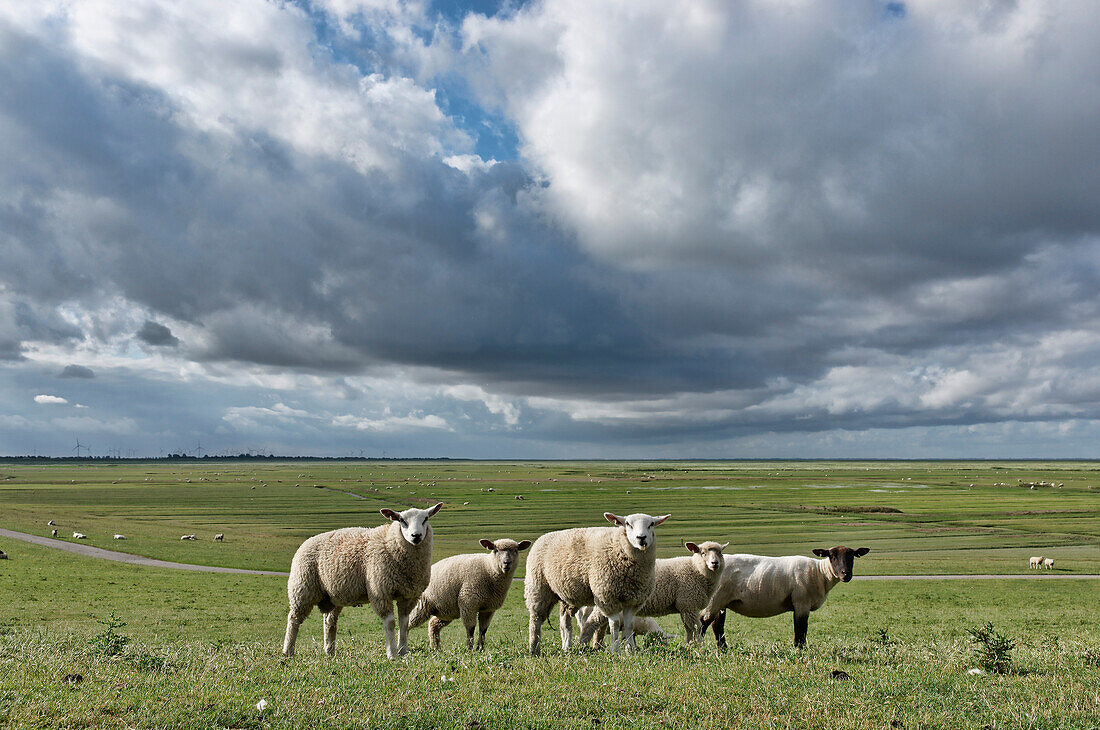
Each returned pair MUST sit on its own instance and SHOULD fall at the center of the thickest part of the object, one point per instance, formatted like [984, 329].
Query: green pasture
[199, 650]
[917, 517]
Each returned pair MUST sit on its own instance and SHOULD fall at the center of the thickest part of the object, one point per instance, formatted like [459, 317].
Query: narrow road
[94, 552]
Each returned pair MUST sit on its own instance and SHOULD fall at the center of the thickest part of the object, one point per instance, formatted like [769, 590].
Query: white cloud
[392, 423]
[49, 399]
[496, 404]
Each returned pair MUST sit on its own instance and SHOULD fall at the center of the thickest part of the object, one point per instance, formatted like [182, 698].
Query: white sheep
[681, 585]
[188, 537]
[3, 555]
[1048, 563]
[357, 565]
[469, 587]
[79, 536]
[53, 533]
[51, 523]
[642, 624]
[1036, 562]
[608, 567]
[758, 586]
[220, 537]
[119, 537]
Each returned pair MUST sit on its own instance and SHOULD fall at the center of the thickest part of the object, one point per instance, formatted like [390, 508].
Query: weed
[992, 649]
[109, 642]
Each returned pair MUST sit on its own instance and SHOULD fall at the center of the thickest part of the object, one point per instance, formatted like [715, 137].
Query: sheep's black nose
[642, 540]
[416, 537]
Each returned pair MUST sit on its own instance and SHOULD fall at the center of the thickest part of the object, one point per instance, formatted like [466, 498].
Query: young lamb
[759, 586]
[470, 587]
[357, 565]
[1036, 562]
[682, 585]
[642, 624]
[1048, 563]
[609, 567]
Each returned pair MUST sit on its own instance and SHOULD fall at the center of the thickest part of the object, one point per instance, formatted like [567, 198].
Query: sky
[551, 229]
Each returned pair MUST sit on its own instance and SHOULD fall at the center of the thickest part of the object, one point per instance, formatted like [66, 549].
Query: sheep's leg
[801, 623]
[590, 627]
[693, 634]
[566, 620]
[435, 631]
[483, 620]
[538, 614]
[614, 620]
[719, 627]
[404, 608]
[388, 624]
[628, 629]
[330, 630]
[469, 620]
[294, 620]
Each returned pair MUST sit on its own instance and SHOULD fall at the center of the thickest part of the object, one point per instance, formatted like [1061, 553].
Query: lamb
[759, 586]
[470, 587]
[1036, 562]
[79, 536]
[642, 624]
[682, 585]
[609, 567]
[1048, 563]
[220, 537]
[357, 565]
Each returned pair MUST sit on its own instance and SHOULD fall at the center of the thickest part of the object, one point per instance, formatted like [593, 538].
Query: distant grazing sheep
[119, 537]
[357, 565]
[611, 568]
[51, 523]
[53, 533]
[759, 586]
[188, 537]
[1036, 562]
[1048, 563]
[219, 537]
[3, 555]
[79, 536]
[470, 587]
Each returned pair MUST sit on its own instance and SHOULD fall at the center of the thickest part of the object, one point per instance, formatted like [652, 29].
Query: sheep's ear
[659, 520]
[821, 552]
[692, 547]
[523, 545]
[488, 544]
[395, 516]
[862, 551]
[433, 510]
[614, 519]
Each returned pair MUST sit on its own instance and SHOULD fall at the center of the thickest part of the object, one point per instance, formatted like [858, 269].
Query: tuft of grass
[109, 642]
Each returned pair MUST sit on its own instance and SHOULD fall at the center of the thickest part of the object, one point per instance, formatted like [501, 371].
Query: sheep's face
[414, 522]
[841, 559]
[506, 552]
[709, 554]
[639, 527]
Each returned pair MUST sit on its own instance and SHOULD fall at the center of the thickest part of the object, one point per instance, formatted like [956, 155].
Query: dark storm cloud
[156, 334]
[76, 371]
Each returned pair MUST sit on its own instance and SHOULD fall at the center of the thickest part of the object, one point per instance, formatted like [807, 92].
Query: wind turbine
[78, 447]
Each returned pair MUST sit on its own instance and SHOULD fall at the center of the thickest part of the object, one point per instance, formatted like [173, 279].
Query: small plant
[882, 637]
[109, 642]
[992, 649]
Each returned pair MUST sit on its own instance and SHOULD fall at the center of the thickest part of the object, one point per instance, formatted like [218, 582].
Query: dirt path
[94, 552]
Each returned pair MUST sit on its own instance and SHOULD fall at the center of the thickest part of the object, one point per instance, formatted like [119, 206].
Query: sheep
[53, 533]
[3, 555]
[188, 537]
[357, 565]
[1048, 563]
[119, 537]
[682, 585]
[470, 587]
[642, 624]
[51, 523]
[79, 536]
[1036, 561]
[609, 567]
[759, 586]
[220, 537]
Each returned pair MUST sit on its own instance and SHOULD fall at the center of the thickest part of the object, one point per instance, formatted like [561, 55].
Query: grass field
[200, 650]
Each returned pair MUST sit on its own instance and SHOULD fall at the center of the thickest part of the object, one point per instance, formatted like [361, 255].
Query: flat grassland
[200, 650]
